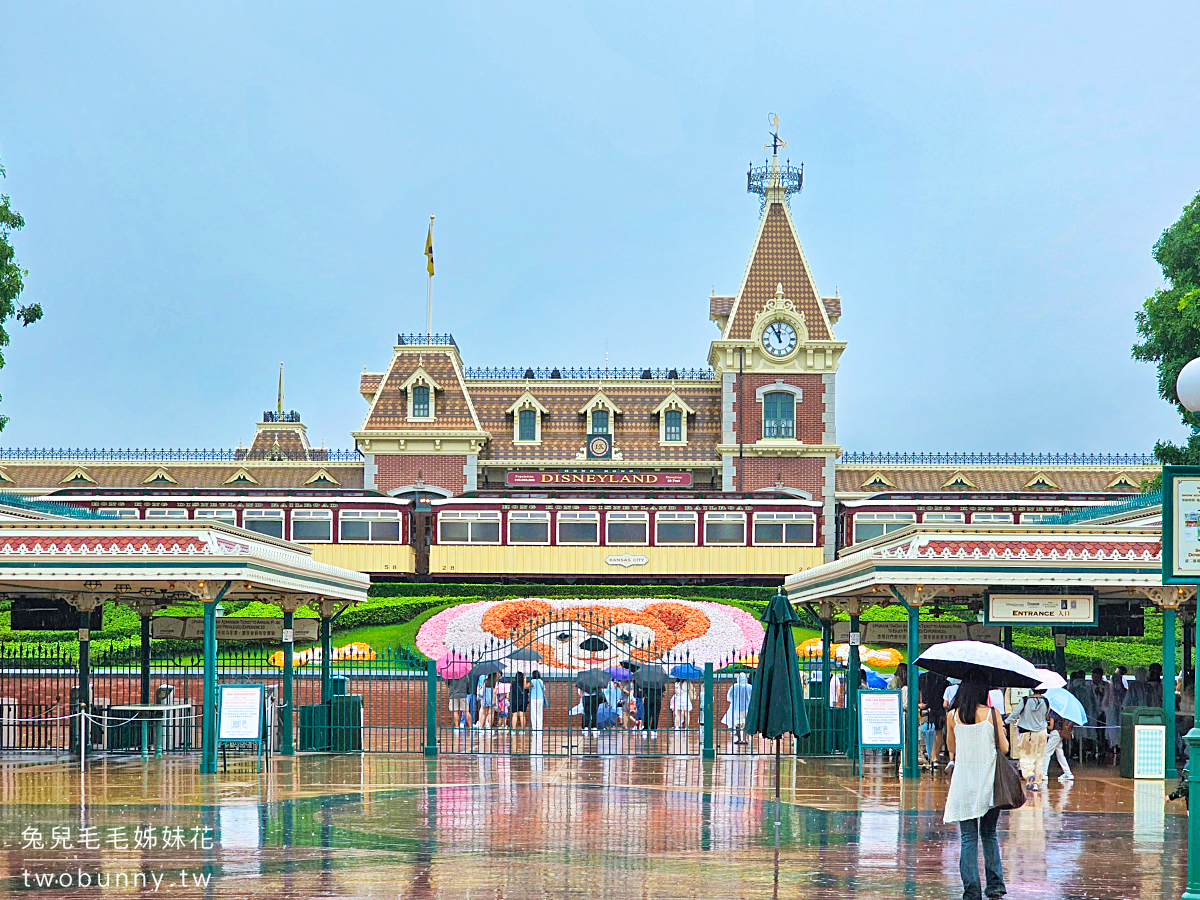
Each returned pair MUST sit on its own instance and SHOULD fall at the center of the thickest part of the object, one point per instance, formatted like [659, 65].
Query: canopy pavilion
[1110, 554]
[51, 551]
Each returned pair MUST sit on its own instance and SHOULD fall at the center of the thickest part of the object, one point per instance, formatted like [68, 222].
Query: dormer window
[672, 426]
[422, 395]
[673, 415]
[527, 415]
[420, 402]
[600, 415]
[527, 425]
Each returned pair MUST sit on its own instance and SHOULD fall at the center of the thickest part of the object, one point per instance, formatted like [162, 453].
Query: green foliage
[1169, 323]
[390, 611]
[583, 591]
[12, 277]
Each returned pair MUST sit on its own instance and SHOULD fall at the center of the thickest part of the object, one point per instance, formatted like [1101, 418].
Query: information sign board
[1181, 525]
[1041, 609]
[236, 628]
[896, 633]
[239, 712]
[879, 715]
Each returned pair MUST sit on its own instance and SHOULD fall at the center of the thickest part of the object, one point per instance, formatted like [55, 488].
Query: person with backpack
[1031, 717]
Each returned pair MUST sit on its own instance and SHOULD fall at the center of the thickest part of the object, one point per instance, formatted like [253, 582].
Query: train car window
[312, 526]
[264, 521]
[724, 528]
[797, 529]
[375, 526]
[675, 528]
[628, 528]
[578, 528]
[529, 528]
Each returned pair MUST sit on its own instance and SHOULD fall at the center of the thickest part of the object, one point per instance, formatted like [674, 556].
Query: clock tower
[777, 358]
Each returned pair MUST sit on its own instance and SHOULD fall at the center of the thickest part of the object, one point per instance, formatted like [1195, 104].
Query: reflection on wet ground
[497, 826]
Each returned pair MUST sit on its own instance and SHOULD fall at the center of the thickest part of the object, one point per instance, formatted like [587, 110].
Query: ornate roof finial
[279, 400]
[772, 182]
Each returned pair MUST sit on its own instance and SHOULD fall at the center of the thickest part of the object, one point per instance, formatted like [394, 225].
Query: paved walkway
[500, 827]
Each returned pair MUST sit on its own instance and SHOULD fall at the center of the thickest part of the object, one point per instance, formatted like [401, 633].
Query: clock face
[779, 338]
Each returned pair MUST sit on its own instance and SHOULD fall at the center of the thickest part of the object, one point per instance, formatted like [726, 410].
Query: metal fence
[383, 705]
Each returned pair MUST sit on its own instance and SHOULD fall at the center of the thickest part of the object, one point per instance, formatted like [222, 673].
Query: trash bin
[164, 694]
[1131, 717]
[345, 716]
[314, 727]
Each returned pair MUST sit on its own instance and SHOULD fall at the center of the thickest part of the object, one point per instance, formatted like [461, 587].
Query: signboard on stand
[240, 716]
[880, 722]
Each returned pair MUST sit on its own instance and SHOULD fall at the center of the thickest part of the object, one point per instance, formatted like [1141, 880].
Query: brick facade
[803, 472]
[394, 471]
[810, 411]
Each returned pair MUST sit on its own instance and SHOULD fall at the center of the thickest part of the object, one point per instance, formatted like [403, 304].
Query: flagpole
[429, 336]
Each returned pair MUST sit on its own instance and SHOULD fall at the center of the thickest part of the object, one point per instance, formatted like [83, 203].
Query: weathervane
[771, 181]
[776, 143]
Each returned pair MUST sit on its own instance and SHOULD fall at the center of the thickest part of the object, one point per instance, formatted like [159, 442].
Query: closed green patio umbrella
[777, 694]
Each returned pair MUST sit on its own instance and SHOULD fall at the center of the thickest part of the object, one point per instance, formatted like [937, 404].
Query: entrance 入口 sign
[237, 628]
[599, 479]
[1041, 609]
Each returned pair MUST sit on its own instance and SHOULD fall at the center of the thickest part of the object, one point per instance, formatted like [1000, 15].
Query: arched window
[779, 415]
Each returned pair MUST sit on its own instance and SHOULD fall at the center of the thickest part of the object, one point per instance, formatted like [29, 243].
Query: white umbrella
[977, 661]
[1050, 679]
[1066, 705]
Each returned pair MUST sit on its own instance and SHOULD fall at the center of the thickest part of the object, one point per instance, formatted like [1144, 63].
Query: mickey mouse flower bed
[572, 635]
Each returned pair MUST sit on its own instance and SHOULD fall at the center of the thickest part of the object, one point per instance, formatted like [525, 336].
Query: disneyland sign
[599, 479]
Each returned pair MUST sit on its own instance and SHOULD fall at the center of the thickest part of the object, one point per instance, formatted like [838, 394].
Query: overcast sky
[213, 188]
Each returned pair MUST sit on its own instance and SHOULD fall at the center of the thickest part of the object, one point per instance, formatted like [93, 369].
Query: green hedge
[583, 591]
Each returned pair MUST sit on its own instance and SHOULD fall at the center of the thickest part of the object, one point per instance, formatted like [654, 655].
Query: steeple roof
[777, 259]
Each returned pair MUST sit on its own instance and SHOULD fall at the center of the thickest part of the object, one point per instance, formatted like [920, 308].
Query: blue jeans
[928, 733]
[971, 833]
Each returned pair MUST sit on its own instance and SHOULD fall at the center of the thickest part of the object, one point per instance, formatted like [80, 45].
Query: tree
[11, 278]
[1169, 324]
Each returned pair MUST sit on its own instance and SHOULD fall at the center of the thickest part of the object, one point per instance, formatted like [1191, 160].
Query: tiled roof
[777, 259]
[452, 412]
[636, 429]
[369, 383]
[1026, 549]
[720, 306]
[141, 544]
[1081, 479]
[292, 444]
[833, 307]
[49, 476]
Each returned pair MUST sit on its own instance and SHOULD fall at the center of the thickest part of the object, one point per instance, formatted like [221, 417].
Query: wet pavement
[498, 826]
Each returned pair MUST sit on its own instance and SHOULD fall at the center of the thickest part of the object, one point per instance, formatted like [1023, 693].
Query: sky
[211, 189]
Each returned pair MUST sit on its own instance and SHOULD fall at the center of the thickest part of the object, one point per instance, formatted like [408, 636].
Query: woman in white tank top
[973, 736]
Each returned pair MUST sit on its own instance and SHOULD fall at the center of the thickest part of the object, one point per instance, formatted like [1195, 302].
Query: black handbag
[1008, 788]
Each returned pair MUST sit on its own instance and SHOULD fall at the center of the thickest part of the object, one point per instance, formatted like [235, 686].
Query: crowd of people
[493, 701]
[1052, 737]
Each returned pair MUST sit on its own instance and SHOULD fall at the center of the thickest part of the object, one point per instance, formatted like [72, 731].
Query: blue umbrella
[687, 672]
[619, 673]
[875, 681]
[1066, 705]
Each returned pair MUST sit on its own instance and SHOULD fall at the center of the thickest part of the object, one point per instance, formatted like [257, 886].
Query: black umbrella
[491, 667]
[651, 677]
[593, 681]
[525, 654]
[777, 695]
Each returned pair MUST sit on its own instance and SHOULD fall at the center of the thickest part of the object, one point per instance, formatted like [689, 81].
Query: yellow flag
[429, 249]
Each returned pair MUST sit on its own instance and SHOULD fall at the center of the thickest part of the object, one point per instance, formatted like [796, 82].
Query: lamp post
[1187, 389]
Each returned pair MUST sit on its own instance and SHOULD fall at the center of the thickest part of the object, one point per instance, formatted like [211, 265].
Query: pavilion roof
[172, 560]
[965, 560]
